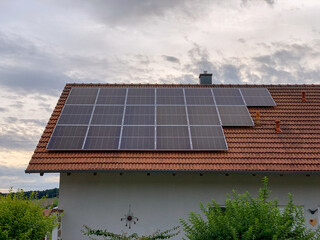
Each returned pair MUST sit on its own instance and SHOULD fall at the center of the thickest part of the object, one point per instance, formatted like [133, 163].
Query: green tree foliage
[22, 218]
[49, 193]
[248, 218]
[113, 236]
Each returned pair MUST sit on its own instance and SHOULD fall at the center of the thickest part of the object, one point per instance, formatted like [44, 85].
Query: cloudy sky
[47, 43]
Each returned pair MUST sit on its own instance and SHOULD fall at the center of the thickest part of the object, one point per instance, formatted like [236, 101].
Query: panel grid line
[94, 107]
[244, 100]
[155, 118]
[187, 115]
[214, 100]
[122, 123]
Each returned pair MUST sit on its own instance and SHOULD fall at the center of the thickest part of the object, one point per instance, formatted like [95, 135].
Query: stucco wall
[159, 200]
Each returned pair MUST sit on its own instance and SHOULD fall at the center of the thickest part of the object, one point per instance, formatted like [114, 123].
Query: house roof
[252, 149]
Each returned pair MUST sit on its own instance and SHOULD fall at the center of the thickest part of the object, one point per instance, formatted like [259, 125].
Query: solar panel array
[153, 118]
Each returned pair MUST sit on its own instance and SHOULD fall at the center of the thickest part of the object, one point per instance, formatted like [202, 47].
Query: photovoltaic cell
[120, 92]
[81, 99]
[203, 115]
[170, 96]
[137, 137]
[107, 115]
[170, 100]
[67, 138]
[171, 115]
[103, 138]
[77, 109]
[199, 100]
[173, 138]
[141, 96]
[208, 137]
[172, 92]
[70, 131]
[257, 97]
[84, 91]
[76, 114]
[235, 116]
[65, 143]
[139, 115]
[227, 96]
[74, 119]
[101, 143]
[110, 100]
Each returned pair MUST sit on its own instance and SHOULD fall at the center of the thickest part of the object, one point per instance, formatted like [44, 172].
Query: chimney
[205, 78]
[278, 130]
[304, 96]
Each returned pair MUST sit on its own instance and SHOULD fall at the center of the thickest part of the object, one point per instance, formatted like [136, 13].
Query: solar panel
[139, 115]
[107, 115]
[76, 114]
[171, 115]
[228, 96]
[180, 119]
[141, 96]
[67, 137]
[170, 96]
[137, 137]
[173, 138]
[208, 137]
[235, 116]
[112, 96]
[257, 97]
[203, 115]
[103, 138]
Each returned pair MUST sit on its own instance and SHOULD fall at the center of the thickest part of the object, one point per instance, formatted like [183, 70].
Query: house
[104, 184]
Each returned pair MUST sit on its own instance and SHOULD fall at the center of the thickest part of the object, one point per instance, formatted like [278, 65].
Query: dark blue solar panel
[140, 118]
[257, 97]
[235, 116]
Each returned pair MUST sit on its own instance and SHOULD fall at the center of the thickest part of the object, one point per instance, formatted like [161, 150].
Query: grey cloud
[115, 12]
[11, 119]
[246, 2]
[171, 59]
[33, 121]
[33, 81]
[289, 63]
[17, 104]
[230, 73]
[11, 140]
[3, 109]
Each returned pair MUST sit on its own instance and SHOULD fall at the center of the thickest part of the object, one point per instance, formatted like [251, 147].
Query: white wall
[159, 200]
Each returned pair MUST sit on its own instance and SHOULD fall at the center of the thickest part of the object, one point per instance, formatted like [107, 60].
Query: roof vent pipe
[205, 78]
[257, 120]
[278, 130]
[304, 96]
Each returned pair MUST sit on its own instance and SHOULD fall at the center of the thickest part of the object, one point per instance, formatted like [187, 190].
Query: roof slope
[257, 148]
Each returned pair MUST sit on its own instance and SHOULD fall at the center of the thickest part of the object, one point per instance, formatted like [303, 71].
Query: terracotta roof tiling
[250, 149]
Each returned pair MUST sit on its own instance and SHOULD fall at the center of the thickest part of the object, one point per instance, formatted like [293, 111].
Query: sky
[46, 43]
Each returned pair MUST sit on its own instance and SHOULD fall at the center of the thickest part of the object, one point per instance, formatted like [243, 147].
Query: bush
[124, 236]
[22, 218]
[245, 217]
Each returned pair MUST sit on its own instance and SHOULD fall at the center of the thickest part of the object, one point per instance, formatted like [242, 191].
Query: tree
[22, 218]
[245, 217]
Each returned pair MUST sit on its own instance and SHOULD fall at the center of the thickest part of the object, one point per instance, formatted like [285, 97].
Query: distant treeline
[49, 193]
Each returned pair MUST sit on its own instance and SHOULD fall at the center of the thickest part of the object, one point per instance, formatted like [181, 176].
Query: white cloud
[44, 44]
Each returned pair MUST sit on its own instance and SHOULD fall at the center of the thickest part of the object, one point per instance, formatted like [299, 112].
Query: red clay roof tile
[255, 149]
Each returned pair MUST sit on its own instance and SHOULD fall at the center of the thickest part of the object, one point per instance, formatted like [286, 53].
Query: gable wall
[160, 199]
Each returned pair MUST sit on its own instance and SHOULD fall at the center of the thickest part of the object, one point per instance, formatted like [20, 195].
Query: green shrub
[124, 236]
[245, 217]
[22, 218]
